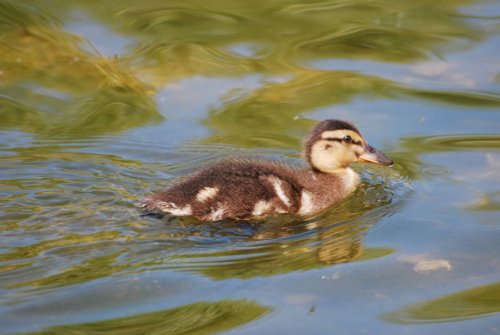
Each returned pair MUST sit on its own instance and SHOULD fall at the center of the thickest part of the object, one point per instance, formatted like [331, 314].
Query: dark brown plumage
[238, 182]
[245, 189]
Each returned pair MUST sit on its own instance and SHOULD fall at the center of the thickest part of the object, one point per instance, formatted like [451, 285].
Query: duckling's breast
[322, 190]
[350, 180]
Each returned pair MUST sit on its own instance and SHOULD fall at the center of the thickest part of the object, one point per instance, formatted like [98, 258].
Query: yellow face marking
[336, 149]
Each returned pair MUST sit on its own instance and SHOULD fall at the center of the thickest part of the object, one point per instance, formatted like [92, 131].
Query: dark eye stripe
[335, 139]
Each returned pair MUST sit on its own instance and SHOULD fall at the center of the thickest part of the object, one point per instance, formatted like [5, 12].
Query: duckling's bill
[375, 156]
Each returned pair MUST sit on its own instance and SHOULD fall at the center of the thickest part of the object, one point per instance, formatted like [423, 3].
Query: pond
[104, 103]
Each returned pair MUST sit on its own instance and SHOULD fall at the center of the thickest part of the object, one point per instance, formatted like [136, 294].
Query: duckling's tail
[150, 209]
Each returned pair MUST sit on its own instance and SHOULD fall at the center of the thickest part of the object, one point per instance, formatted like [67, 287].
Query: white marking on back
[172, 208]
[261, 207]
[311, 225]
[279, 190]
[306, 203]
[280, 210]
[206, 193]
[217, 214]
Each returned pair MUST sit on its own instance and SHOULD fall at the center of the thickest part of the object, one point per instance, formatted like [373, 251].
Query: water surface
[102, 104]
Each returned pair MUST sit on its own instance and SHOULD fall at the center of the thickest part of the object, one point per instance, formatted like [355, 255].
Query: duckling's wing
[231, 189]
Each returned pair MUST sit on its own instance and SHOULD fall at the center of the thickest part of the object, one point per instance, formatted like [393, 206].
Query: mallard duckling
[246, 189]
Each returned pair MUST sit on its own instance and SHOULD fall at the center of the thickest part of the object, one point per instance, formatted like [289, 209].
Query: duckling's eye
[347, 139]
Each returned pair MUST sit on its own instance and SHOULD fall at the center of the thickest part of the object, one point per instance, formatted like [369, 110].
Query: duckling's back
[236, 189]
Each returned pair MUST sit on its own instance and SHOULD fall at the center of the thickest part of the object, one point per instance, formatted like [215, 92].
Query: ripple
[454, 143]
[107, 110]
[209, 317]
[179, 16]
[76, 220]
[461, 98]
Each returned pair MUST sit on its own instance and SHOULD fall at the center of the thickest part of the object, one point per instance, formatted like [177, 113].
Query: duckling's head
[334, 144]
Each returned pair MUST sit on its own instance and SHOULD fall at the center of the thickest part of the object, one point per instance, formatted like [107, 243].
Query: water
[102, 104]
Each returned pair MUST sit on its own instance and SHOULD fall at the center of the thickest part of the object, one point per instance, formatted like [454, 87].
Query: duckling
[247, 189]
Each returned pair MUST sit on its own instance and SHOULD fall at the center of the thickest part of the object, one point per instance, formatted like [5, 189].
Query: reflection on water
[84, 136]
[52, 86]
[468, 304]
[487, 202]
[453, 143]
[419, 146]
[75, 222]
[199, 318]
[247, 120]
[287, 31]
[104, 216]
[282, 245]
[101, 111]
[95, 95]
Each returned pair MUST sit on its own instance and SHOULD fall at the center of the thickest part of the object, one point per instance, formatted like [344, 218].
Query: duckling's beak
[372, 155]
